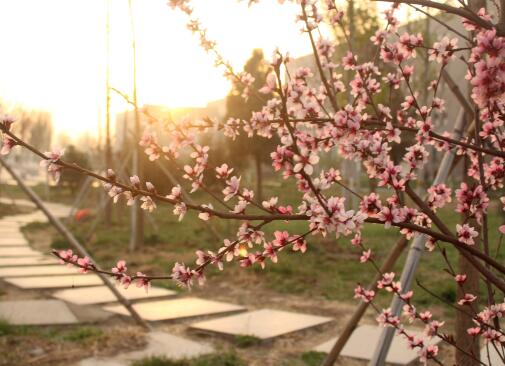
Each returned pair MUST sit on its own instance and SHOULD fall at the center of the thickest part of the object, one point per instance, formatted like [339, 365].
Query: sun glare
[55, 54]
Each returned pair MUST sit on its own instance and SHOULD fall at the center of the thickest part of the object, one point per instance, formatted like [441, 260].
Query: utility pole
[108, 148]
[137, 215]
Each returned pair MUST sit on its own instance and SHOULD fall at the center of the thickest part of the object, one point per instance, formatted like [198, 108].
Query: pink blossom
[460, 278]
[120, 267]
[466, 234]
[51, 162]
[305, 162]
[147, 203]
[443, 50]
[7, 144]
[391, 216]
[428, 352]
[176, 194]
[142, 281]
[180, 210]
[182, 275]
[205, 216]
[467, 299]
[363, 294]
[232, 188]
[85, 264]
[270, 252]
[135, 181]
[300, 245]
[439, 195]
[125, 281]
[475, 331]
[223, 171]
[365, 256]
[386, 318]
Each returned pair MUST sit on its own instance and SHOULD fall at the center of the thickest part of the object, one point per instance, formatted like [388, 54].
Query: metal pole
[414, 256]
[73, 241]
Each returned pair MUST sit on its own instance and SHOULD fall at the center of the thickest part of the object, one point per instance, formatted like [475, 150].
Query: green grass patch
[81, 334]
[221, 359]
[313, 358]
[244, 341]
[59, 244]
[6, 328]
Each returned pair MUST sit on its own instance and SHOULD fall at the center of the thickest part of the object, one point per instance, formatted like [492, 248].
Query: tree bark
[463, 322]
[108, 148]
[259, 178]
[137, 217]
[465, 341]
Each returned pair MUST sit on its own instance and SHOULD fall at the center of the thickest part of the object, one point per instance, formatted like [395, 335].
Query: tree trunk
[137, 218]
[463, 322]
[259, 178]
[465, 341]
[108, 148]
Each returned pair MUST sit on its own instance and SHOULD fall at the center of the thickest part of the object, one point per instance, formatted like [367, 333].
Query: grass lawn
[60, 345]
[321, 281]
[329, 269]
[230, 359]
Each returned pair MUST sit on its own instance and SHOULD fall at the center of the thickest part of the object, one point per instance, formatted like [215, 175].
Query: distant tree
[243, 148]
[34, 125]
[70, 178]
[41, 130]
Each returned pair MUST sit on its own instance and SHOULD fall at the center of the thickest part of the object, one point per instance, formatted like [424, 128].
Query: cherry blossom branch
[272, 217]
[443, 24]
[462, 12]
[119, 272]
[332, 97]
[432, 134]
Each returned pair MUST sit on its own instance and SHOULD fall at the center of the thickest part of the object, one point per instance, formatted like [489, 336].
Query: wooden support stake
[346, 333]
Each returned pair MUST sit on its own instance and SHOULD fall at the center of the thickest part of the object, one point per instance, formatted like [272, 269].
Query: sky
[54, 53]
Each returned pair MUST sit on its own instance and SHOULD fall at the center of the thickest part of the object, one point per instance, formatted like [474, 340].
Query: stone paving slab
[18, 252]
[7, 224]
[42, 270]
[493, 356]
[102, 294]
[13, 236]
[9, 232]
[27, 261]
[14, 242]
[48, 282]
[361, 345]
[36, 312]
[160, 344]
[263, 324]
[188, 307]
[28, 219]
[12, 222]
[17, 201]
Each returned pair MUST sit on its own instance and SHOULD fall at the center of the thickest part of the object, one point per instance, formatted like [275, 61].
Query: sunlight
[60, 67]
